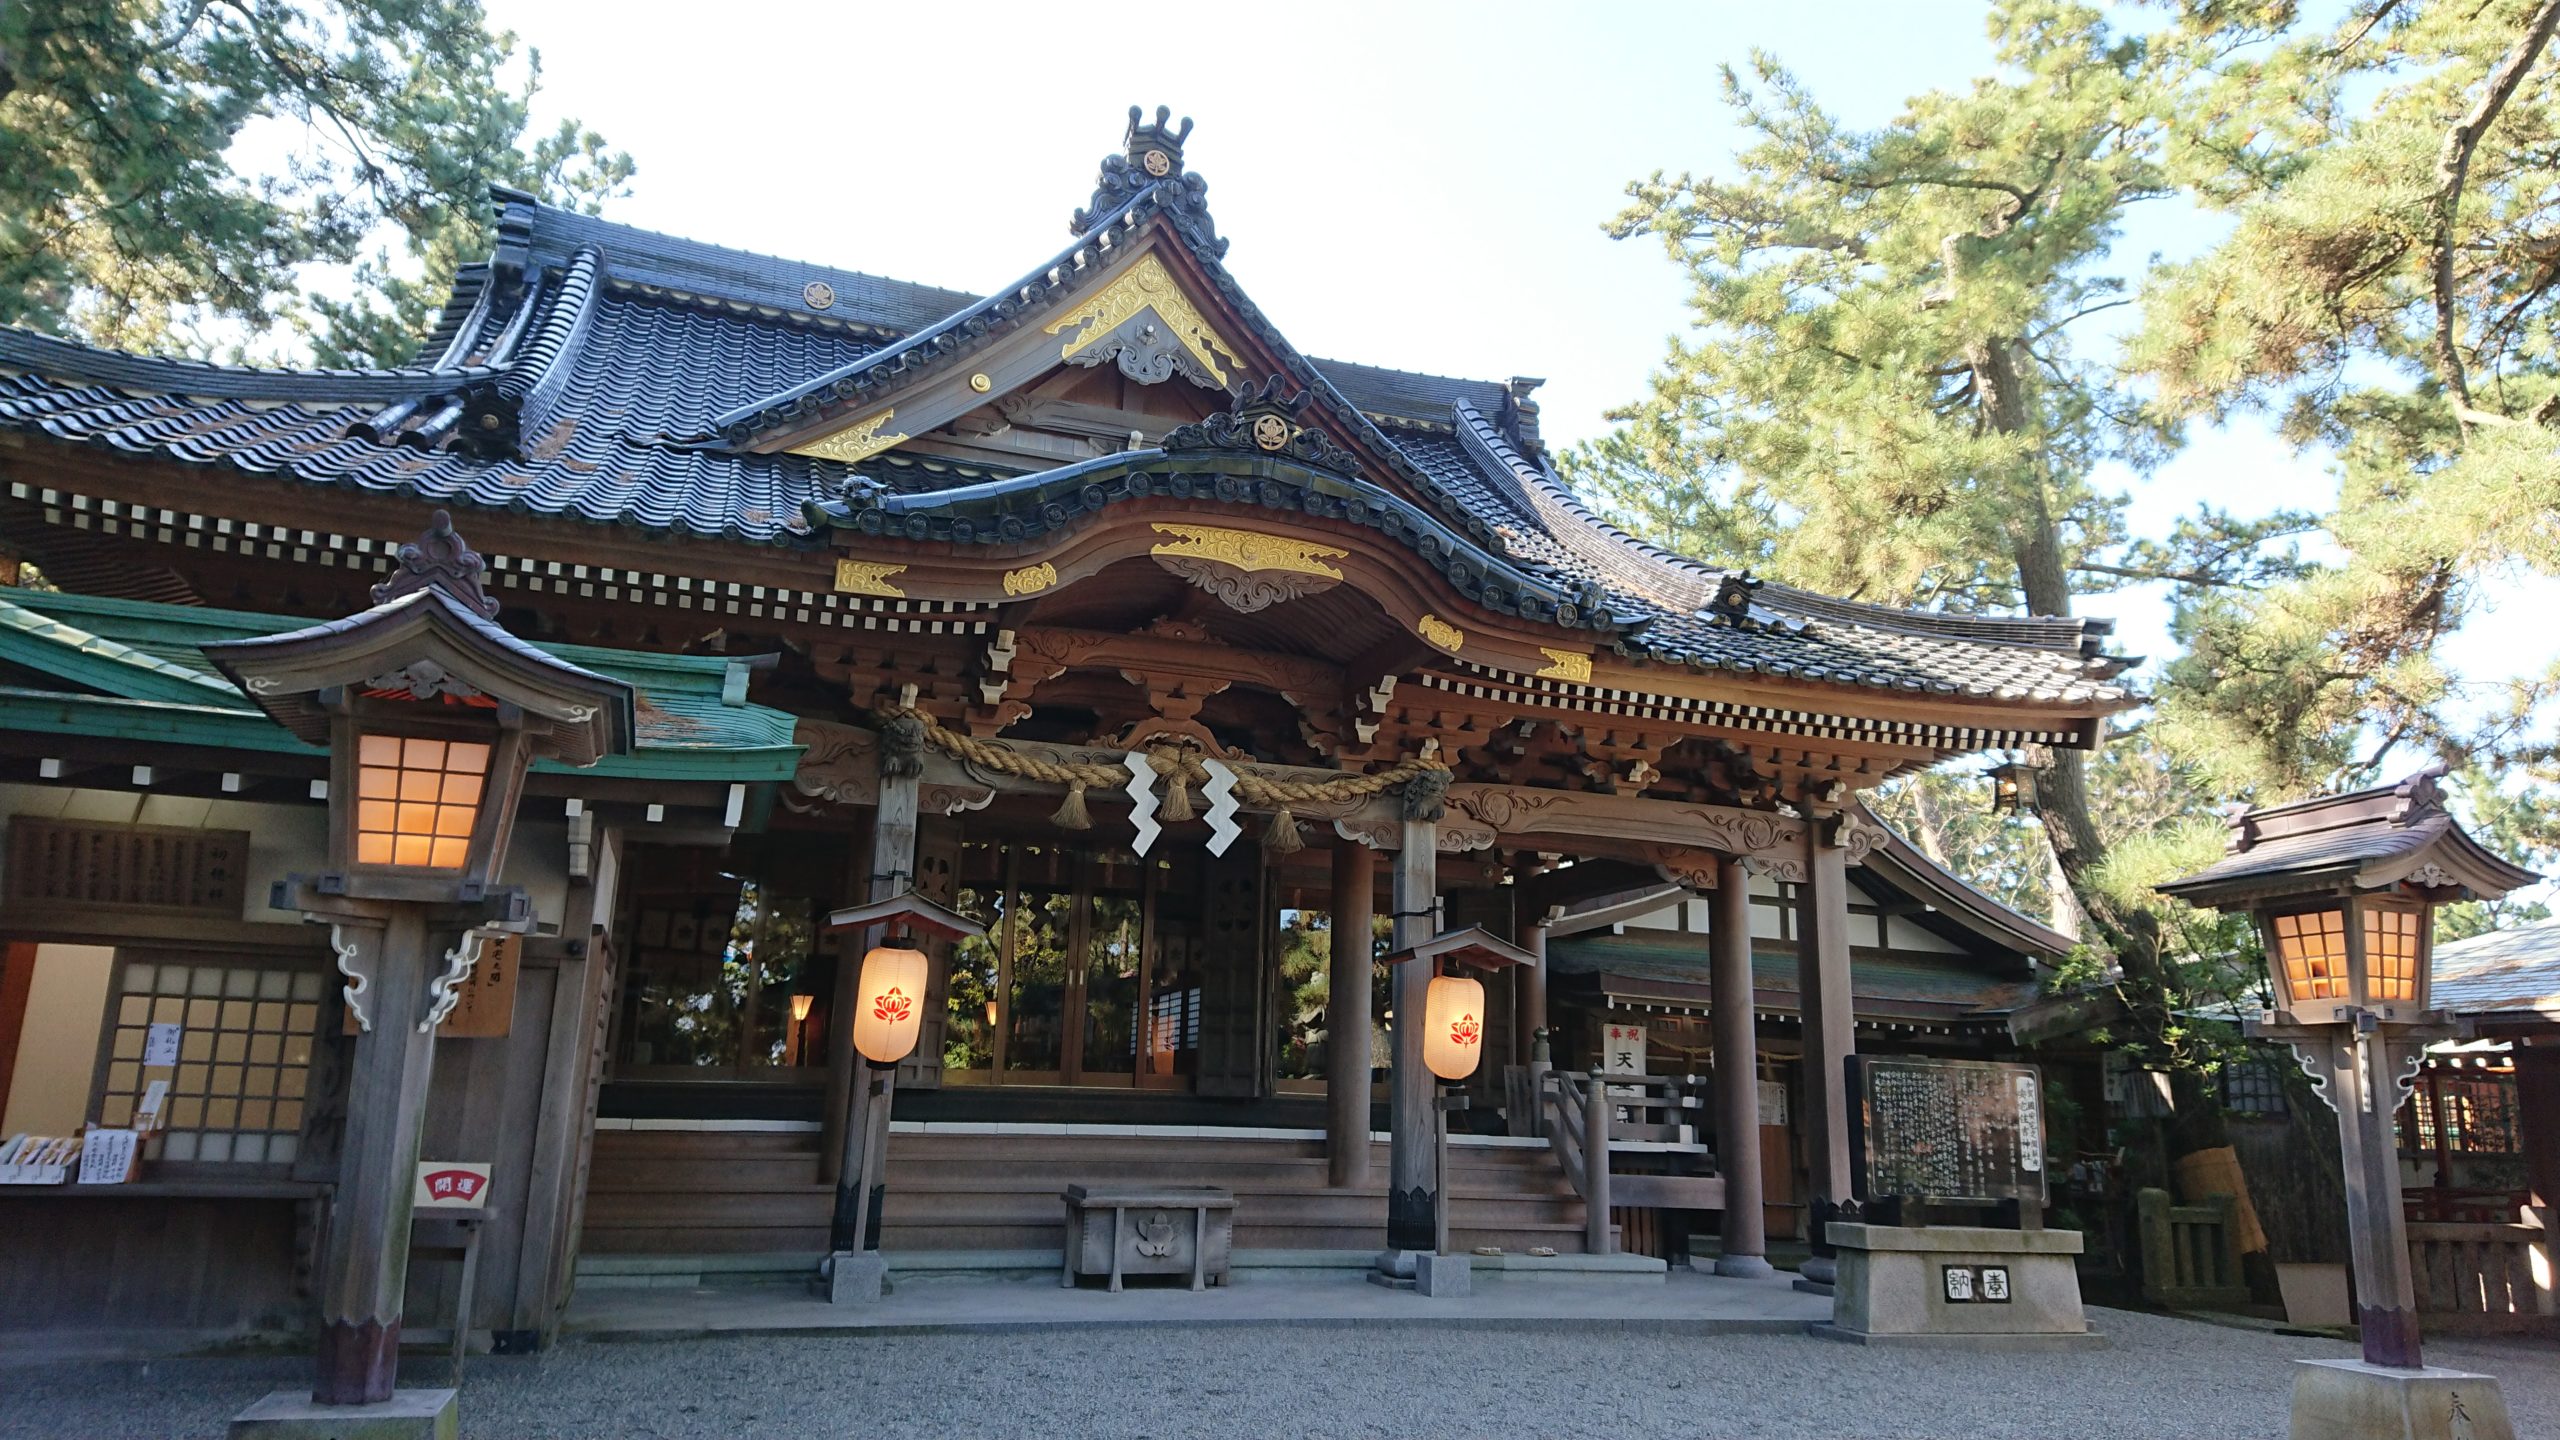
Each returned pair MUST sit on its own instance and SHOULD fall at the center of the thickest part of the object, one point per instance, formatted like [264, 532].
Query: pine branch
[2453, 168]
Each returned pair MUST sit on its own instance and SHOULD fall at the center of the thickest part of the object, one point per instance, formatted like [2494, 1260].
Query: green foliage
[133, 212]
[1888, 391]
[2387, 289]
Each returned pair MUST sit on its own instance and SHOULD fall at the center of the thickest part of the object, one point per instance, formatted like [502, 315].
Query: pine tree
[124, 221]
[1883, 395]
[2388, 289]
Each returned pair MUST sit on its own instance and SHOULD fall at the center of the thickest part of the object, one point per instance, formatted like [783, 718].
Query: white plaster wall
[58, 1049]
[1905, 935]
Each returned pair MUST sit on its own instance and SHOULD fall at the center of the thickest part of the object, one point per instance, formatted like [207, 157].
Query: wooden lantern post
[888, 1011]
[431, 715]
[2343, 889]
[1449, 1031]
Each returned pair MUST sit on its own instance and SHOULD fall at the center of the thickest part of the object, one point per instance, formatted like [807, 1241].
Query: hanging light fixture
[889, 1000]
[1453, 1026]
[2013, 787]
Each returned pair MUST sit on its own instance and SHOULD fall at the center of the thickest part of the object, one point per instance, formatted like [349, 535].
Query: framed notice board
[1952, 1132]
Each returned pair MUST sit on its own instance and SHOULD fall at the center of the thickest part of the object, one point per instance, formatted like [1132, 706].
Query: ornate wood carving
[1682, 865]
[1246, 570]
[1186, 340]
[952, 799]
[841, 763]
[868, 577]
[440, 560]
[858, 441]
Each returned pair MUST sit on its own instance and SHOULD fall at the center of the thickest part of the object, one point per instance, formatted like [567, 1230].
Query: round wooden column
[1413, 1190]
[1347, 1018]
[1746, 1237]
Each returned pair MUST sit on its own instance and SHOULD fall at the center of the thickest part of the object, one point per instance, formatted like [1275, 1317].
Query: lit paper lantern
[889, 1006]
[1453, 1027]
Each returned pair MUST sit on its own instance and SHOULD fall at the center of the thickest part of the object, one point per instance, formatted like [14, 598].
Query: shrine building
[1201, 672]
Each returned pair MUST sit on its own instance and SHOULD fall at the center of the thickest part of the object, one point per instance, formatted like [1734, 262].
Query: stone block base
[2351, 1400]
[2085, 1340]
[1744, 1267]
[407, 1415]
[854, 1277]
[1444, 1275]
[1946, 1281]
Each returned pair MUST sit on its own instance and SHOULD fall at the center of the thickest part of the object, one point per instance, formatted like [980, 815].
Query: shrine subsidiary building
[1201, 672]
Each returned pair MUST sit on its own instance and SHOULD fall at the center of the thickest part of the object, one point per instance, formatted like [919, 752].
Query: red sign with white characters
[892, 1007]
[458, 1184]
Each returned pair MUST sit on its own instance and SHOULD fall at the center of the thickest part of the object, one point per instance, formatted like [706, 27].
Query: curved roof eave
[1021, 509]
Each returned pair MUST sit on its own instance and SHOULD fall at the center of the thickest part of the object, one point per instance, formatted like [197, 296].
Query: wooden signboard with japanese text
[1946, 1132]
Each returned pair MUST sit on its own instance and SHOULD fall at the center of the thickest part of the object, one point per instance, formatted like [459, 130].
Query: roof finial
[439, 559]
[1155, 149]
[1151, 161]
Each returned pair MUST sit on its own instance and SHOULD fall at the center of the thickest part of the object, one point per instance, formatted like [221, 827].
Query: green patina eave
[694, 721]
[1677, 962]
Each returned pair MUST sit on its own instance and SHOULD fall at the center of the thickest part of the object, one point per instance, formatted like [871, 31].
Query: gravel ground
[2162, 1378]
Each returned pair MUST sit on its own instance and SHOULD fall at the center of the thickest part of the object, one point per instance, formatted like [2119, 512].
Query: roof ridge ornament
[1151, 160]
[440, 559]
[1265, 420]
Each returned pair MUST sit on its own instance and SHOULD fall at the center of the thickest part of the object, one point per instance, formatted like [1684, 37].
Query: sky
[1416, 185]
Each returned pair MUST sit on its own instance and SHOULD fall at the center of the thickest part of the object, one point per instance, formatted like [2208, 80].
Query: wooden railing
[1577, 1126]
[2482, 1276]
[2190, 1255]
[1643, 1116]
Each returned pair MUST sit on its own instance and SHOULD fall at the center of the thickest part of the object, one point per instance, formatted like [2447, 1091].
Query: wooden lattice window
[244, 1036]
[57, 865]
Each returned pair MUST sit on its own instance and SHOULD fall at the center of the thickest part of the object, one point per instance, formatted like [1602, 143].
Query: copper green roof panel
[157, 685]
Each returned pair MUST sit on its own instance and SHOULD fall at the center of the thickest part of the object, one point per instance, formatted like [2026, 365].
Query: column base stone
[407, 1415]
[1744, 1267]
[853, 1277]
[2351, 1400]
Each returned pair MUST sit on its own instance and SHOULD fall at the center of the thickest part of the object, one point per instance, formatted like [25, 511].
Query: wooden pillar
[2361, 1085]
[1413, 1198]
[1746, 1240]
[365, 1275]
[1830, 1026]
[1531, 980]
[2538, 1136]
[844, 952]
[581, 989]
[893, 864]
[1347, 1018]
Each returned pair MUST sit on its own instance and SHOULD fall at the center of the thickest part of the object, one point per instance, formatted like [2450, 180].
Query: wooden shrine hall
[1200, 672]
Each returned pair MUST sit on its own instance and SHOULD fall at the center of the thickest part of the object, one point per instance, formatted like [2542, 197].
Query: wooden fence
[2483, 1278]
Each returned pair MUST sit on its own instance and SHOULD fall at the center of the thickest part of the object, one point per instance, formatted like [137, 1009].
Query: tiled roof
[589, 370]
[2504, 972]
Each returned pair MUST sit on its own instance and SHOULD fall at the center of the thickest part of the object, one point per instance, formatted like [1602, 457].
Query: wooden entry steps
[724, 1191]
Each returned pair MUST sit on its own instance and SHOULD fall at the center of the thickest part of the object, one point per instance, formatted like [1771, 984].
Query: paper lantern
[889, 1005]
[1453, 1027]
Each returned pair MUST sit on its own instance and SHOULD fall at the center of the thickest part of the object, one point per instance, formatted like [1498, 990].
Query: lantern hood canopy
[909, 912]
[2359, 842]
[1471, 946]
[430, 637]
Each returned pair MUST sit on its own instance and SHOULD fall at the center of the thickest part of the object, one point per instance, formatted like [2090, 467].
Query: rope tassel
[1071, 812]
[1281, 836]
[1177, 799]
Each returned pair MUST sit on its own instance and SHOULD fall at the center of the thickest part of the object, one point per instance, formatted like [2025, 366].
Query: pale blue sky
[1406, 184]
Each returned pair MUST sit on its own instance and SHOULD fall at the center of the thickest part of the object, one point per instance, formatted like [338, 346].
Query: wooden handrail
[1578, 1115]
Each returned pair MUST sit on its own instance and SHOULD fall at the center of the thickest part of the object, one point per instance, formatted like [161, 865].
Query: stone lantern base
[407, 1415]
[2351, 1400]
